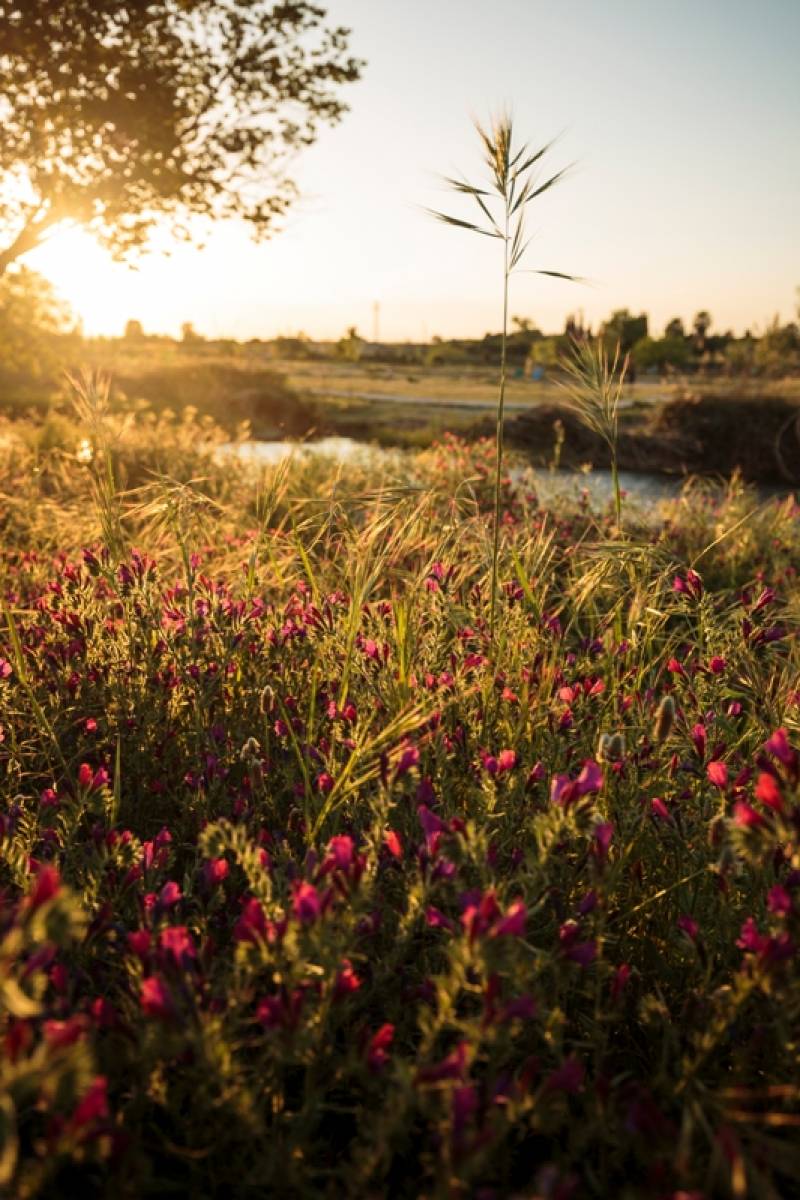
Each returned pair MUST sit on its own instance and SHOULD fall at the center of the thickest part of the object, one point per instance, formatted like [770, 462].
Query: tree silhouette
[117, 115]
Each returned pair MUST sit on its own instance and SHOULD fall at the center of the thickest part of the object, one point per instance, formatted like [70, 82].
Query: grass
[311, 889]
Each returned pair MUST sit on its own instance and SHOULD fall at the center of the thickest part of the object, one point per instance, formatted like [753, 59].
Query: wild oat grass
[514, 182]
[314, 881]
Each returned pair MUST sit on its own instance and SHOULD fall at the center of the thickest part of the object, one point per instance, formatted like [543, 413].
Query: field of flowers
[311, 889]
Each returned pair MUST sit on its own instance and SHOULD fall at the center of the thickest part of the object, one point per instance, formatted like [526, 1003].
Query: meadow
[321, 878]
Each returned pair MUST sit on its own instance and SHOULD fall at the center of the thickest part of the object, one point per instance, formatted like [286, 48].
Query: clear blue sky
[683, 118]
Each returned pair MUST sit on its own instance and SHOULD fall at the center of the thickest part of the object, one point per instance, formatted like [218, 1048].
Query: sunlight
[85, 276]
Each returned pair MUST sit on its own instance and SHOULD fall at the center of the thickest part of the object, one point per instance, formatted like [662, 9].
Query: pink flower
[699, 739]
[437, 920]
[177, 944]
[64, 1033]
[393, 843]
[325, 783]
[659, 809]
[139, 943]
[170, 894]
[252, 924]
[565, 791]
[778, 745]
[506, 760]
[768, 792]
[717, 665]
[452, 1066]
[346, 981]
[717, 773]
[156, 999]
[378, 1047]
[341, 850]
[408, 759]
[566, 1078]
[603, 835]
[620, 981]
[47, 882]
[215, 871]
[745, 815]
[779, 900]
[689, 926]
[513, 923]
[94, 1105]
[306, 906]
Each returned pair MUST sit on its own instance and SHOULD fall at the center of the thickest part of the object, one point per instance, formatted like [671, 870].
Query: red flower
[215, 871]
[306, 904]
[156, 999]
[768, 792]
[346, 981]
[393, 843]
[717, 773]
[46, 884]
[94, 1105]
[252, 924]
[378, 1047]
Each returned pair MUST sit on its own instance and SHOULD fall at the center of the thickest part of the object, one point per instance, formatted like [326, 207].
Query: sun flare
[85, 276]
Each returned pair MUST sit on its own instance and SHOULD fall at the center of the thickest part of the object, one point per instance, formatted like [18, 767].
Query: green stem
[499, 451]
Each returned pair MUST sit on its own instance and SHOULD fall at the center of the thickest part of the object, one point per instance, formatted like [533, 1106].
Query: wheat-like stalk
[514, 181]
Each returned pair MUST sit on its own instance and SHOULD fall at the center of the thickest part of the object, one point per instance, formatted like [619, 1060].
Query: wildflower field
[311, 887]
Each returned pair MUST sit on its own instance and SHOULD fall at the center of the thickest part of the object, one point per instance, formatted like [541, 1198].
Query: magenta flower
[139, 943]
[768, 792]
[689, 926]
[717, 773]
[567, 1078]
[659, 809]
[565, 791]
[620, 981]
[452, 1066]
[47, 883]
[603, 834]
[778, 745]
[437, 920]
[93, 1106]
[378, 1047]
[779, 900]
[513, 923]
[170, 894]
[745, 815]
[346, 981]
[176, 943]
[306, 904]
[393, 843]
[215, 871]
[156, 999]
[252, 924]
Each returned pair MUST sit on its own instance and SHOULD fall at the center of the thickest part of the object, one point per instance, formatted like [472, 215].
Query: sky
[682, 120]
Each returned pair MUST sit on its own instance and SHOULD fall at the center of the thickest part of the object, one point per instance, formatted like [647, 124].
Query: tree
[351, 346]
[624, 329]
[134, 331]
[700, 326]
[674, 329]
[118, 114]
[35, 327]
[189, 335]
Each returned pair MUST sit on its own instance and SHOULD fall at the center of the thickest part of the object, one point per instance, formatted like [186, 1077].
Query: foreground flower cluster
[308, 889]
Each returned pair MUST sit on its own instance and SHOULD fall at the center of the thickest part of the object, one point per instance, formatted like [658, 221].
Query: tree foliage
[118, 115]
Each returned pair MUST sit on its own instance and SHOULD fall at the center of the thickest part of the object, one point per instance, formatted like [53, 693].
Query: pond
[638, 486]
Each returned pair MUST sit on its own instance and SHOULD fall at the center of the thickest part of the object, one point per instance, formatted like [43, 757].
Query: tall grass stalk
[593, 389]
[514, 181]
